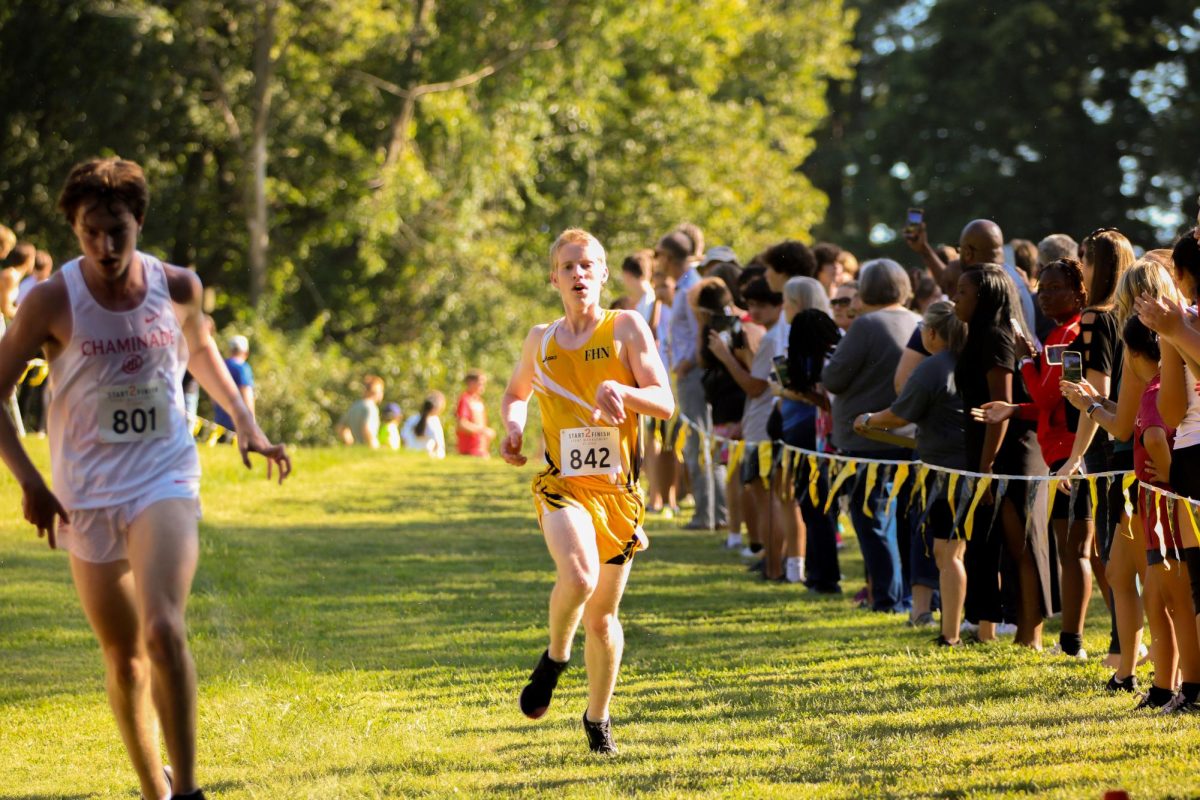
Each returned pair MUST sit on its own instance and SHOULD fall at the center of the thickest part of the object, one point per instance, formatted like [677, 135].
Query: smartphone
[780, 369]
[915, 217]
[1072, 365]
[1054, 353]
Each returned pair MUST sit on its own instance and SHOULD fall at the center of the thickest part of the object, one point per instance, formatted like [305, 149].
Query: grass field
[364, 630]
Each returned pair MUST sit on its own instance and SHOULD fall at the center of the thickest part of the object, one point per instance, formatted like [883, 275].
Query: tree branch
[412, 94]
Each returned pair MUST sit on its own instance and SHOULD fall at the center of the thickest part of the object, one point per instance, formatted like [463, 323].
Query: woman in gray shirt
[859, 375]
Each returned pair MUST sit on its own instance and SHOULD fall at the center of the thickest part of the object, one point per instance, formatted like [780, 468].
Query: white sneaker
[794, 570]
[967, 627]
[748, 553]
[733, 541]
[1006, 629]
[1058, 651]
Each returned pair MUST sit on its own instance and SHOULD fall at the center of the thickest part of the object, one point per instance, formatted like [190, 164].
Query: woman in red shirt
[1062, 297]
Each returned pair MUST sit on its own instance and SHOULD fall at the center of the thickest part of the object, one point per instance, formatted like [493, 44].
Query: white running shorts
[99, 535]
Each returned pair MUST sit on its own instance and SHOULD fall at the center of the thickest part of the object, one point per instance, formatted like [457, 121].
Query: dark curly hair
[791, 258]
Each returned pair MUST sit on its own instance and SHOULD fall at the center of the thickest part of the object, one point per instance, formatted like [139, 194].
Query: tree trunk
[256, 215]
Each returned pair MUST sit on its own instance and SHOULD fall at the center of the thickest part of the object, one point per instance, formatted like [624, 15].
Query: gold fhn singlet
[566, 382]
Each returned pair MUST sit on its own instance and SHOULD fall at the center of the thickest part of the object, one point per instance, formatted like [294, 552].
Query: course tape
[966, 499]
[203, 430]
[209, 432]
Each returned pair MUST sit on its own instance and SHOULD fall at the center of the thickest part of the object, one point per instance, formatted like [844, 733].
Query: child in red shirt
[474, 437]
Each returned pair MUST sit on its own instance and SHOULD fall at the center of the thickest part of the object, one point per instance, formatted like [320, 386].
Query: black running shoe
[599, 736]
[196, 795]
[1127, 685]
[942, 641]
[535, 697]
[1155, 699]
[1180, 704]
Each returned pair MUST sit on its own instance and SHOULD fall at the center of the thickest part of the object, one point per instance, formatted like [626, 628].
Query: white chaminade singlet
[117, 424]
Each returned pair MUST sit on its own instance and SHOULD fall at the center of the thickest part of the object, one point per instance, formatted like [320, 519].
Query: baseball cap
[391, 411]
[239, 344]
[720, 253]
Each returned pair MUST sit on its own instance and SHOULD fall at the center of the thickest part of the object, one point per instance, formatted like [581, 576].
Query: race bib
[590, 451]
[133, 412]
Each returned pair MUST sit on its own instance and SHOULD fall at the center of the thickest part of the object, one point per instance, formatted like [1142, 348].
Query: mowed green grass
[364, 630]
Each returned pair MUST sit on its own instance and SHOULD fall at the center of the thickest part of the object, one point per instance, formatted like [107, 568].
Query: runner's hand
[510, 449]
[43, 510]
[255, 441]
[610, 402]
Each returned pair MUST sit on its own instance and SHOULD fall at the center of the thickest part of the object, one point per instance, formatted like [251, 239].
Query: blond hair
[1146, 276]
[576, 236]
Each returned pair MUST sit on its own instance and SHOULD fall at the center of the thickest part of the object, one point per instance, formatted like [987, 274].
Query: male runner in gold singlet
[593, 371]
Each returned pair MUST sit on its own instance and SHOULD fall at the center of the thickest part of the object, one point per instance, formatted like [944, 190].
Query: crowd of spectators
[22, 266]
[1046, 360]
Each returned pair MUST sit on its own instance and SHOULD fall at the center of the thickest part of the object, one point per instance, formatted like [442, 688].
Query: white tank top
[117, 424]
[1188, 432]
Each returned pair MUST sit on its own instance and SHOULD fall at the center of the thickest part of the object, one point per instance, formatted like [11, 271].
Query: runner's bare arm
[652, 395]
[8, 293]
[28, 333]
[205, 364]
[514, 408]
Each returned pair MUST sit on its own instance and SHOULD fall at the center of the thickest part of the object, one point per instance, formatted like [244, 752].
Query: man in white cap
[243, 378]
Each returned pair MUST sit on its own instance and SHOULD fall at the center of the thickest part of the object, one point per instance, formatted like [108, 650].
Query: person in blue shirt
[674, 255]
[243, 378]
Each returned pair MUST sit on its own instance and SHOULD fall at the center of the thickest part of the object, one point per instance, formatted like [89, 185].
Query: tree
[1049, 115]
[411, 161]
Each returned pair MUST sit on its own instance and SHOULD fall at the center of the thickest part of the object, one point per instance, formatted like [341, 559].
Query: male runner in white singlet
[593, 371]
[119, 329]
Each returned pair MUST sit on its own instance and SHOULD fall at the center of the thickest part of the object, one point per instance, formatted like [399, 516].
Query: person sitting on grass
[360, 423]
[423, 432]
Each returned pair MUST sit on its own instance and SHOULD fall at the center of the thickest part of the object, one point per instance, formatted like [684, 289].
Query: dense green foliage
[363, 631]
[1046, 115]
[419, 156]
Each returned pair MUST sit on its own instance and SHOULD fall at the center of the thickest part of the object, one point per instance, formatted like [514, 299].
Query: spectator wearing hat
[389, 430]
[243, 379]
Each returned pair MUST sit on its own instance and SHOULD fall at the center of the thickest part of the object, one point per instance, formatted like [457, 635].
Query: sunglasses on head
[1099, 231]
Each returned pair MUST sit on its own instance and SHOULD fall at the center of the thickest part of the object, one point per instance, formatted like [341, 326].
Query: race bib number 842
[590, 451]
[133, 412]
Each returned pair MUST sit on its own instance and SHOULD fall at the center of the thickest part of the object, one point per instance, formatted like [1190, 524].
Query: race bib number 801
[590, 451]
[133, 412]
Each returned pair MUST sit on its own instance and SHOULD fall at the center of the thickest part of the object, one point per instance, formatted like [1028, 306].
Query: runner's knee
[601, 626]
[125, 667]
[166, 639]
[578, 583]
